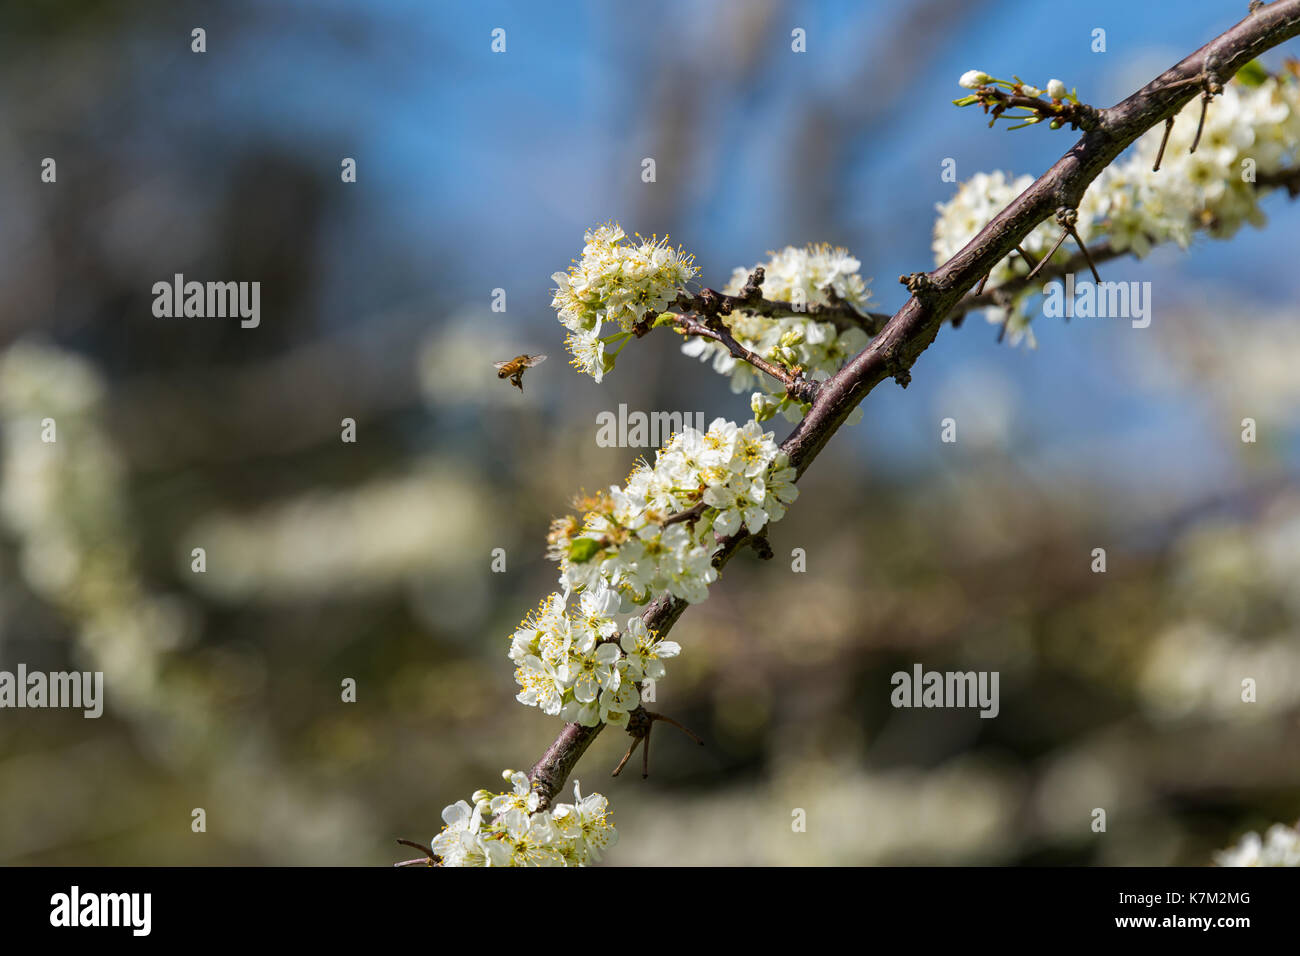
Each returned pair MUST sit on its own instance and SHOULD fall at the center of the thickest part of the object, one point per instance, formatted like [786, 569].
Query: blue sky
[489, 166]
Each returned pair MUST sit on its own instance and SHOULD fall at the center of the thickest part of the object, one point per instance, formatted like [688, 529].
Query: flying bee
[514, 369]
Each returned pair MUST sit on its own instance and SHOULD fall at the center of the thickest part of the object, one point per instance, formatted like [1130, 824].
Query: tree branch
[915, 325]
[911, 330]
[1288, 179]
[836, 311]
[997, 102]
[796, 386]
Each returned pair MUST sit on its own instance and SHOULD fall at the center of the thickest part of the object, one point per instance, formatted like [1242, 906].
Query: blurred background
[371, 560]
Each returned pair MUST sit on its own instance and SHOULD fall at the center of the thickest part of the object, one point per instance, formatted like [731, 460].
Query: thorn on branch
[429, 858]
[1164, 141]
[1212, 87]
[1067, 218]
[1004, 301]
[1047, 258]
[640, 723]
[1029, 260]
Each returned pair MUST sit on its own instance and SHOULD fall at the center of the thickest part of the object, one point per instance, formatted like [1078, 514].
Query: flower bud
[762, 407]
[1056, 89]
[974, 79]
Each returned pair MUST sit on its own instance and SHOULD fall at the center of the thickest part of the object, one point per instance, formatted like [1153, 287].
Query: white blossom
[645, 652]
[658, 532]
[584, 827]
[1132, 208]
[1279, 847]
[508, 829]
[457, 844]
[615, 282]
[806, 278]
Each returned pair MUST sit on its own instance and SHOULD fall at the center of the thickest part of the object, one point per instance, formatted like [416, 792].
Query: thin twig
[1164, 141]
[713, 328]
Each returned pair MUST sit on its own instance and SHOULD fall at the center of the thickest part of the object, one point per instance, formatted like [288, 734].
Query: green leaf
[966, 100]
[582, 550]
[1252, 74]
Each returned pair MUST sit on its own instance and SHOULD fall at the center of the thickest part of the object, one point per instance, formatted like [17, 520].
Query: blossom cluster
[508, 829]
[658, 532]
[977, 201]
[975, 79]
[575, 664]
[1279, 847]
[806, 278]
[615, 282]
[646, 536]
[1251, 130]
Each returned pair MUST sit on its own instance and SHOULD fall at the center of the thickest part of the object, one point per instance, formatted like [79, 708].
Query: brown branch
[835, 310]
[998, 101]
[1001, 295]
[796, 385]
[1288, 179]
[700, 315]
[911, 330]
[690, 515]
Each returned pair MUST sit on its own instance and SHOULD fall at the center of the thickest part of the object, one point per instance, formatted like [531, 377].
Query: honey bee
[514, 369]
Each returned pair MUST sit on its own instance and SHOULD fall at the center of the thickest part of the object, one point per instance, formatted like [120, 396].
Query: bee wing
[500, 365]
[534, 360]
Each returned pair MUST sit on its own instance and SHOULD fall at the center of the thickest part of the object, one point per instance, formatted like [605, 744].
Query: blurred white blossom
[1279, 847]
